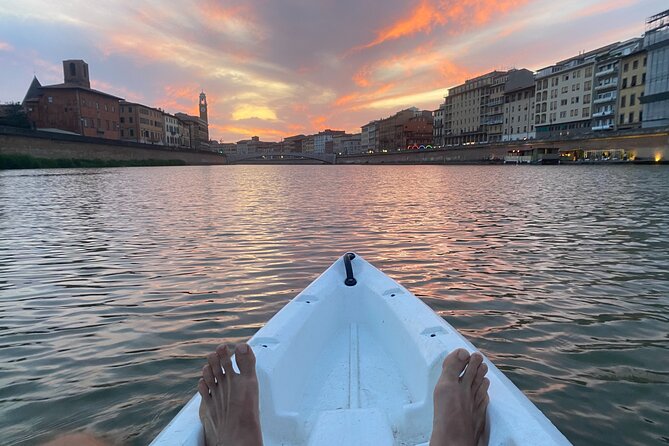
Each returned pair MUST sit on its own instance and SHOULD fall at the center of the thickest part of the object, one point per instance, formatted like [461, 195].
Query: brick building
[73, 106]
[141, 123]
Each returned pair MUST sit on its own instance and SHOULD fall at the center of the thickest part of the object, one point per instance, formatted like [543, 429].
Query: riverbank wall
[42, 145]
[641, 147]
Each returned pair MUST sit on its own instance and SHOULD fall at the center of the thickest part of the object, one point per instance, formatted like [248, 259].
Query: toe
[482, 392]
[225, 360]
[203, 389]
[215, 365]
[208, 377]
[455, 363]
[246, 360]
[480, 374]
[475, 362]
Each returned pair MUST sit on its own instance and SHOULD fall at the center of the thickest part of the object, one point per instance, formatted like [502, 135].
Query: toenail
[243, 349]
[463, 354]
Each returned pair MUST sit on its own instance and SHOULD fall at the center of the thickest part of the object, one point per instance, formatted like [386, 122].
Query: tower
[76, 72]
[203, 107]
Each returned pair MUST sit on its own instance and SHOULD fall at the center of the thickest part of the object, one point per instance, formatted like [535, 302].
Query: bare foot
[460, 403]
[229, 410]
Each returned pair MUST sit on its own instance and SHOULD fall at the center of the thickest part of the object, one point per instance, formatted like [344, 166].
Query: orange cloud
[4, 46]
[429, 14]
[318, 122]
[248, 131]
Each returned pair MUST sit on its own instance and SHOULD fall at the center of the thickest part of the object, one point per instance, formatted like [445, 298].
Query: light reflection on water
[114, 283]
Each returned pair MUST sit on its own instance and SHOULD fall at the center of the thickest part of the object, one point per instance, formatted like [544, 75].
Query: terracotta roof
[68, 86]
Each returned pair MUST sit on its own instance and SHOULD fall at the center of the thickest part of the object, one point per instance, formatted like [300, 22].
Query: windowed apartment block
[519, 106]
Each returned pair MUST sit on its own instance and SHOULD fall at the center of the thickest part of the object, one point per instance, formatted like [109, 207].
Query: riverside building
[564, 96]
[611, 81]
[656, 97]
[73, 106]
[141, 123]
[466, 115]
[409, 128]
[519, 106]
[369, 141]
[631, 92]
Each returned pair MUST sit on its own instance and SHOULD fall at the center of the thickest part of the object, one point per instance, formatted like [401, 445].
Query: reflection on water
[114, 283]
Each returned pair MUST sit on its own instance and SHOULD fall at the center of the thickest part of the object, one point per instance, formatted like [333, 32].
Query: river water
[115, 283]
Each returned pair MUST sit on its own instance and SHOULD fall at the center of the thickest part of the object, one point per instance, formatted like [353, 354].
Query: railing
[603, 127]
[607, 98]
[603, 86]
[605, 72]
[602, 113]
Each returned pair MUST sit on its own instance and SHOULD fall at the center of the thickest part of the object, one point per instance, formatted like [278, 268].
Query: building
[346, 144]
[468, 112]
[519, 106]
[73, 106]
[369, 141]
[564, 95]
[611, 80]
[174, 131]
[656, 98]
[293, 143]
[197, 130]
[323, 140]
[438, 126]
[308, 144]
[405, 129]
[631, 90]
[141, 123]
[255, 145]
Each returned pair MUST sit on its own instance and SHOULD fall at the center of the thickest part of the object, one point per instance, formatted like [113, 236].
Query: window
[50, 99]
[97, 106]
[635, 64]
[587, 85]
[565, 89]
[588, 72]
[563, 114]
[122, 120]
[643, 78]
[130, 110]
[622, 118]
[631, 117]
[130, 119]
[108, 127]
[99, 123]
[563, 102]
[632, 100]
[132, 132]
[73, 69]
[585, 112]
[85, 122]
[586, 98]
[624, 83]
[544, 95]
[644, 61]
[623, 99]
[626, 68]
[633, 81]
[106, 107]
[122, 135]
[641, 112]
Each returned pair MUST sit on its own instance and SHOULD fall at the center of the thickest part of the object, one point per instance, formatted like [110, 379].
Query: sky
[276, 68]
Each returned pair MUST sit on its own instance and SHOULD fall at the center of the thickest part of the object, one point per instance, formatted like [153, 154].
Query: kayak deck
[356, 365]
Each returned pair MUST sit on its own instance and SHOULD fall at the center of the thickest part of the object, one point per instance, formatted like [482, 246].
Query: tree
[13, 115]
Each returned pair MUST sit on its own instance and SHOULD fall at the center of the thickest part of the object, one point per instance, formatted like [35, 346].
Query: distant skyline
[276, 69]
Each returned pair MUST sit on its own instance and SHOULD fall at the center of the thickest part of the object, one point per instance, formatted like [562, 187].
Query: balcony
[605, 72]
[601, 114]
[603, 127]
[605, 98]
[607, 85]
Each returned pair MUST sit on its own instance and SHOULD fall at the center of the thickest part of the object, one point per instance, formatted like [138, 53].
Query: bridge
[280, 157]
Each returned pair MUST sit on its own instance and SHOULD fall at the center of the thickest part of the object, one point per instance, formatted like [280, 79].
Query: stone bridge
[279, 157]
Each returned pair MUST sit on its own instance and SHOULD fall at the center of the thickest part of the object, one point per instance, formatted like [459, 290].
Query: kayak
[353, 360]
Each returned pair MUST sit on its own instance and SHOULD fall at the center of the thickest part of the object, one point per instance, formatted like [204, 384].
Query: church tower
[203, 107]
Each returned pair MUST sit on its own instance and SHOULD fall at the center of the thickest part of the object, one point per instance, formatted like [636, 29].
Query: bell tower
[203, 107]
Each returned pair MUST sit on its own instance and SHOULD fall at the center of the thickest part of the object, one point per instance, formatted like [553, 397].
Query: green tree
[13, 115]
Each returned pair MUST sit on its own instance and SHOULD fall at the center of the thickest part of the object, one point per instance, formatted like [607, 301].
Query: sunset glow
[276, 69]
